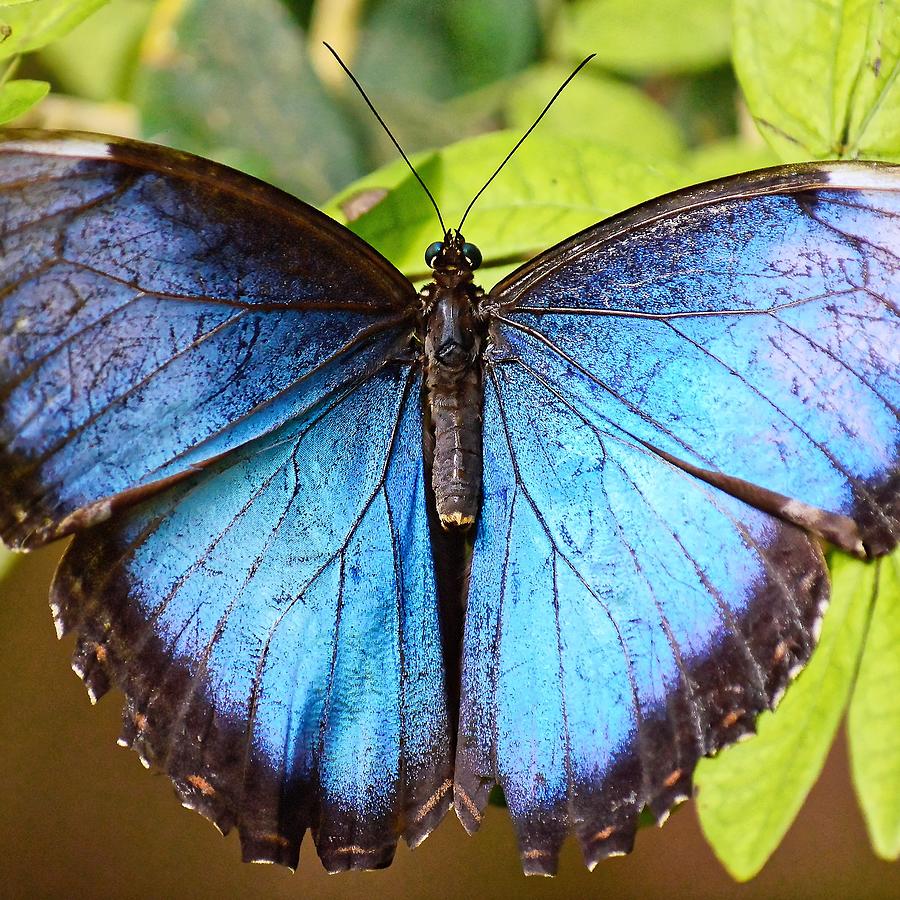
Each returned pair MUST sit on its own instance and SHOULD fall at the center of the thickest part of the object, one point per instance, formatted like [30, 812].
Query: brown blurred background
[81, 817]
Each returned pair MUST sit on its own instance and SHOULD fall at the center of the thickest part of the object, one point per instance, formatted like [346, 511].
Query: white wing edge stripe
[859, 176]
[71, 147]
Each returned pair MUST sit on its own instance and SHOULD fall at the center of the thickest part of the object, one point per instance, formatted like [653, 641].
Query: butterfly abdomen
[454, 394]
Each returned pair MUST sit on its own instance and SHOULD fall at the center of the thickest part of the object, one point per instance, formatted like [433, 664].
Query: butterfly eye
[472, 254]
[431, 253]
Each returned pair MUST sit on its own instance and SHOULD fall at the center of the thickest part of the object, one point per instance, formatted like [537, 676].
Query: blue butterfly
[357, 553]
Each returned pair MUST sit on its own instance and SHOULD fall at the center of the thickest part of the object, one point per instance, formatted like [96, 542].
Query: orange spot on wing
[202, 785]
[468, 803]
[433, 800]
[672, 780]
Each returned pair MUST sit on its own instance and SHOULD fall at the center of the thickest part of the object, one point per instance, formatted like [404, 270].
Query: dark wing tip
[607, 843]
[337, 856]
[424, 815]
[470, 798]
[270, 848]
[878, 515]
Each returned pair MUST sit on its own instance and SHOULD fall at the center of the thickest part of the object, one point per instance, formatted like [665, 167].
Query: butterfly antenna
[387, 130]
[521, 140]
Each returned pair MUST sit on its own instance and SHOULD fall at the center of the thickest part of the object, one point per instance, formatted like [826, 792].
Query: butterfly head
[453, 260]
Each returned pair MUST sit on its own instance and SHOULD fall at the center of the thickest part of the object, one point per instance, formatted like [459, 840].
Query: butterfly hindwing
[668, 397]
[283, 667]
[640, 649]
[159, 310]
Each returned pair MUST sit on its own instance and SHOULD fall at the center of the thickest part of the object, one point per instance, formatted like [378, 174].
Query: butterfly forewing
[157, 311]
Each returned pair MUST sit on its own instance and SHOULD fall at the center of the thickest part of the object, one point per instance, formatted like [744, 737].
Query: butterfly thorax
[453, 337]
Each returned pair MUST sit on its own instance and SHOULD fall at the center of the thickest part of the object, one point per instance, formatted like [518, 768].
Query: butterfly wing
[669, 397]
[159, 310]
[273, 624]
[205, 371]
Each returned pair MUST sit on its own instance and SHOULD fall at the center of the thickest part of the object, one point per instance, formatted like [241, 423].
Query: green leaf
[552, 188]
[749, 795]
[27, 26]
[728, 157]
[647, 37]
[231, 80]
[822, 77]
[595, 108]
[113, 36]
[874, 718]
[17, 97]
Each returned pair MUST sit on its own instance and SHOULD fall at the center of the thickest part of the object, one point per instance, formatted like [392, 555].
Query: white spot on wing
[71, 147]
[859, 176]
[816, 630]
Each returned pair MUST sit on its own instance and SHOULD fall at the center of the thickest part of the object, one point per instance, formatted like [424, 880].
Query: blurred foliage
[630, 119]
[673, 97]
[873, 724]
[206, 84]
[114, 34]
[648, 37]
[26, 26]
[252, 86]
[16, 97]
[6, 560]
[531, 207]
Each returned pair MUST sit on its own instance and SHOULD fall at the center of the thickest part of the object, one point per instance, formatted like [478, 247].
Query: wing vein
[663, 317]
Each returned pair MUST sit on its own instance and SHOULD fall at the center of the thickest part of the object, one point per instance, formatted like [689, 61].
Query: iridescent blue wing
[156, 311]
[677, 402]
[274, 626]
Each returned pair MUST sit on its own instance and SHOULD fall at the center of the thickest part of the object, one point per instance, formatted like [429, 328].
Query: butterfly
[357, 553]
